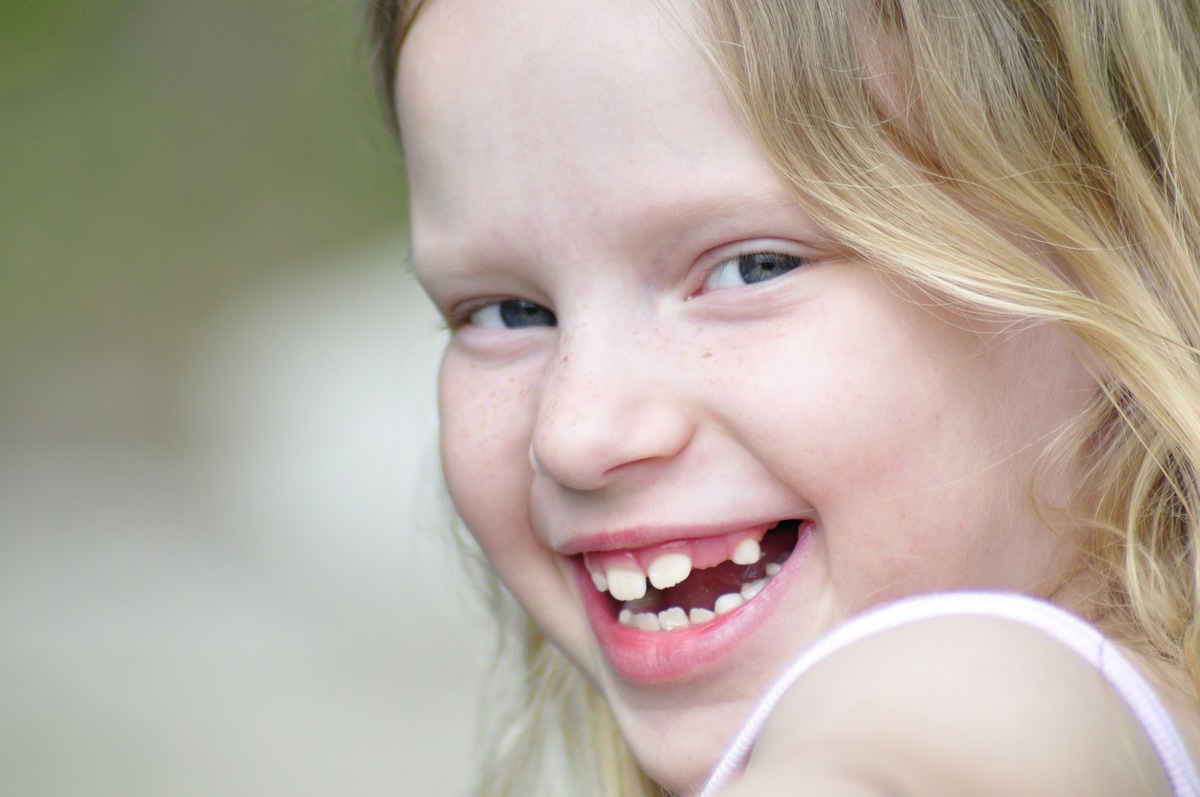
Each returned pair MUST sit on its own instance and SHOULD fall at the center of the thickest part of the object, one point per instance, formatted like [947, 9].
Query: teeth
[669, 569]
[747, 552]
[647, 621]
[626, 584]
[753, 588]
[672, 618]
[728, 602]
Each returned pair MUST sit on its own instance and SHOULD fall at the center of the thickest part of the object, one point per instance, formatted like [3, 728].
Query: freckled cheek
[485, 428]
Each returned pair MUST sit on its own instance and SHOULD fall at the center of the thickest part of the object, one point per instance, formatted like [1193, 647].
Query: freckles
[468, 445]
[480, 429]
[485, 457]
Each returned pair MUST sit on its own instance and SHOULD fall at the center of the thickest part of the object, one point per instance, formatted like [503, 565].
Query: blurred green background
[155, 158]
[223, 558]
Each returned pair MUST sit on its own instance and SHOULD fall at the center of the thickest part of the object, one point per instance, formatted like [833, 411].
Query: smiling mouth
[685, 591]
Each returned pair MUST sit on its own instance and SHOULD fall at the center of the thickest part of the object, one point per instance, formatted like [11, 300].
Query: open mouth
[691, 583]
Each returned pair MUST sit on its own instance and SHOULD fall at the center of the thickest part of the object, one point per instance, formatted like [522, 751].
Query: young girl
[765, 314]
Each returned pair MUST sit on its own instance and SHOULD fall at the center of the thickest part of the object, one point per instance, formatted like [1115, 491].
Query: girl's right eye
[511, 314]
[752, 268]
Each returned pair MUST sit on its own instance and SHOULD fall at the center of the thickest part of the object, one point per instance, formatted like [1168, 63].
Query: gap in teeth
[639, 612]
[623, 574]
[654, 607]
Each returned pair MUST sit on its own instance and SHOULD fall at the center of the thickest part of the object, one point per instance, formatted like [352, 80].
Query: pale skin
[952, 707]
[584, 205]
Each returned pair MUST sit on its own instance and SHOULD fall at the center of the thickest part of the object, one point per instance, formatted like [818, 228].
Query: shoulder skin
[953, 706]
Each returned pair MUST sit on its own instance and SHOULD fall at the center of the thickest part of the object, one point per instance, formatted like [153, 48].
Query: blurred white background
[224, 564]
[274, 611]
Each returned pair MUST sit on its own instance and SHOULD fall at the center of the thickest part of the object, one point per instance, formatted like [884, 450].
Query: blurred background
[224, 568]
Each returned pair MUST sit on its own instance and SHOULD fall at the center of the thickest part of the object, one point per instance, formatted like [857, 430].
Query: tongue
[702, 588]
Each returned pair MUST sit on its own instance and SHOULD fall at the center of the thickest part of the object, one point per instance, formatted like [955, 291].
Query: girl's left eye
[751, 268]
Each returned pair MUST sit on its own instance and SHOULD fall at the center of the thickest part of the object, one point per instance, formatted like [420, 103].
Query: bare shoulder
[953, 706]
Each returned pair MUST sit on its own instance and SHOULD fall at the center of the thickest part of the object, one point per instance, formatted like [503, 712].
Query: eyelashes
[511, 314]
[514, 313]
[750, 269]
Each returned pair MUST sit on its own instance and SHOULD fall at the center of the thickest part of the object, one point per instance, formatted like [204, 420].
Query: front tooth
[669, 569]
[625, 617]
[698, 615]
[625, 583]
[670, 619]
[600, 581]
[747, 552]
[728, 602]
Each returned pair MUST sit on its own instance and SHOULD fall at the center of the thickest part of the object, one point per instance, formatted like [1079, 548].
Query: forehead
[525, 57]
[535, 116]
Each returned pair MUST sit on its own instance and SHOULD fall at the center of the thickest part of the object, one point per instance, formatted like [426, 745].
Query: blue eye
[512, 314]
[751, 268]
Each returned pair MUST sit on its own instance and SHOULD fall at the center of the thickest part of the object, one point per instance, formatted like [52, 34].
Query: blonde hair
[1075, 123]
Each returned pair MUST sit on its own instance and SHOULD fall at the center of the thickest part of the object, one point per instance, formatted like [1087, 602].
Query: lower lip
[663, 657]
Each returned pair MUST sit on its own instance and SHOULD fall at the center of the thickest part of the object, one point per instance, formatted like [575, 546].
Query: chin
[678, 746]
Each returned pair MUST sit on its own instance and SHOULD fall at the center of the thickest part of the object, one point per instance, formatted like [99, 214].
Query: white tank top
[1067, 629]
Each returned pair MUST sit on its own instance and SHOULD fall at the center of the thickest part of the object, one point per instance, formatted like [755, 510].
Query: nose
[608, 411]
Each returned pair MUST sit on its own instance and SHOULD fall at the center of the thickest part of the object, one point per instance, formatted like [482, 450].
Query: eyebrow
[666, 221]
[735, 206]
[446, 265]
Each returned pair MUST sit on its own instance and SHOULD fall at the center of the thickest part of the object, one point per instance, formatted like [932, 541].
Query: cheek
[838, 409]
[487, 417]
[484, 443]
[913, 441]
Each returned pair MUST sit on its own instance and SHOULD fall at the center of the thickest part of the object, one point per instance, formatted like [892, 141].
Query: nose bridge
[607, 401]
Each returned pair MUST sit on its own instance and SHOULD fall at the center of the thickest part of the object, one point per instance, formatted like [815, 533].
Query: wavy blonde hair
[913, 130]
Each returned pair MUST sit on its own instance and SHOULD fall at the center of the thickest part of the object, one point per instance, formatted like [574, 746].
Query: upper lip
[633, 537]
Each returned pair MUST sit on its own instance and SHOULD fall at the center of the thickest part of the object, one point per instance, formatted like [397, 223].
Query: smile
[691, 582]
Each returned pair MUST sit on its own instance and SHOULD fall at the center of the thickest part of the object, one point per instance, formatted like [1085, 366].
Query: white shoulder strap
[1067, 629]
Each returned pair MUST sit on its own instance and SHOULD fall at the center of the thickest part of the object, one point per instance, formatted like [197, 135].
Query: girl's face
[659, 361]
